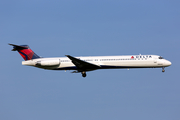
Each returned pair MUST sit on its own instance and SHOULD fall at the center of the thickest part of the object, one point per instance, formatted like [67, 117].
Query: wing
[82, 65]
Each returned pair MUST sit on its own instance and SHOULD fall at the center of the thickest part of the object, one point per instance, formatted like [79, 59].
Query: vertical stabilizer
[25, 51]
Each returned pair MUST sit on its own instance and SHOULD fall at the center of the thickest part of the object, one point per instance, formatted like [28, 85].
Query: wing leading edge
[81, 65]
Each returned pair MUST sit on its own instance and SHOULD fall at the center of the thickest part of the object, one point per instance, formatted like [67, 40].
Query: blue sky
[89, 28]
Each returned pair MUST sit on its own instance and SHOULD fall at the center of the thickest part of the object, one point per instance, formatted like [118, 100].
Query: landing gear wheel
[83, 74]
[163, 69]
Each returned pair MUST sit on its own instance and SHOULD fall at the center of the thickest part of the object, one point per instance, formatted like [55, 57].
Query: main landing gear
[163, 69]
[83, 74]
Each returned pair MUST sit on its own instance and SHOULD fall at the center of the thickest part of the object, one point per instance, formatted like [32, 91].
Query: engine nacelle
[48, 63]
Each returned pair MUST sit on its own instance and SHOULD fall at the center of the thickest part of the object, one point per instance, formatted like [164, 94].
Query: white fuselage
[104, 62]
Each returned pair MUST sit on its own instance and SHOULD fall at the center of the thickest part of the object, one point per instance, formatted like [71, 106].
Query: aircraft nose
[168, 63]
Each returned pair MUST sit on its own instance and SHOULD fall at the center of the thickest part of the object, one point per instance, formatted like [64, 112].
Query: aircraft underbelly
[129, 64]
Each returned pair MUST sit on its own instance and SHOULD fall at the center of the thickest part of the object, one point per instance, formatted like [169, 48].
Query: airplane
[85, 64]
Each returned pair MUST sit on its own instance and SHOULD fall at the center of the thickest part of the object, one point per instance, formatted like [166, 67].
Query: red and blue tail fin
[25, 51]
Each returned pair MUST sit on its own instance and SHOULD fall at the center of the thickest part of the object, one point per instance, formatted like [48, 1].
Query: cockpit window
[161, 57]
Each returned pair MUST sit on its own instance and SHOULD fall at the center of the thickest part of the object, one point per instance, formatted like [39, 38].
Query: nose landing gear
[163, 69]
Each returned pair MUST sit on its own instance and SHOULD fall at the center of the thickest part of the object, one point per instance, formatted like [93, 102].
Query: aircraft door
[155, 61]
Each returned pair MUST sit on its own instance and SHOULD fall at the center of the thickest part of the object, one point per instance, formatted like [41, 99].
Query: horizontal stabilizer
[25, 51]
[18, 47]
